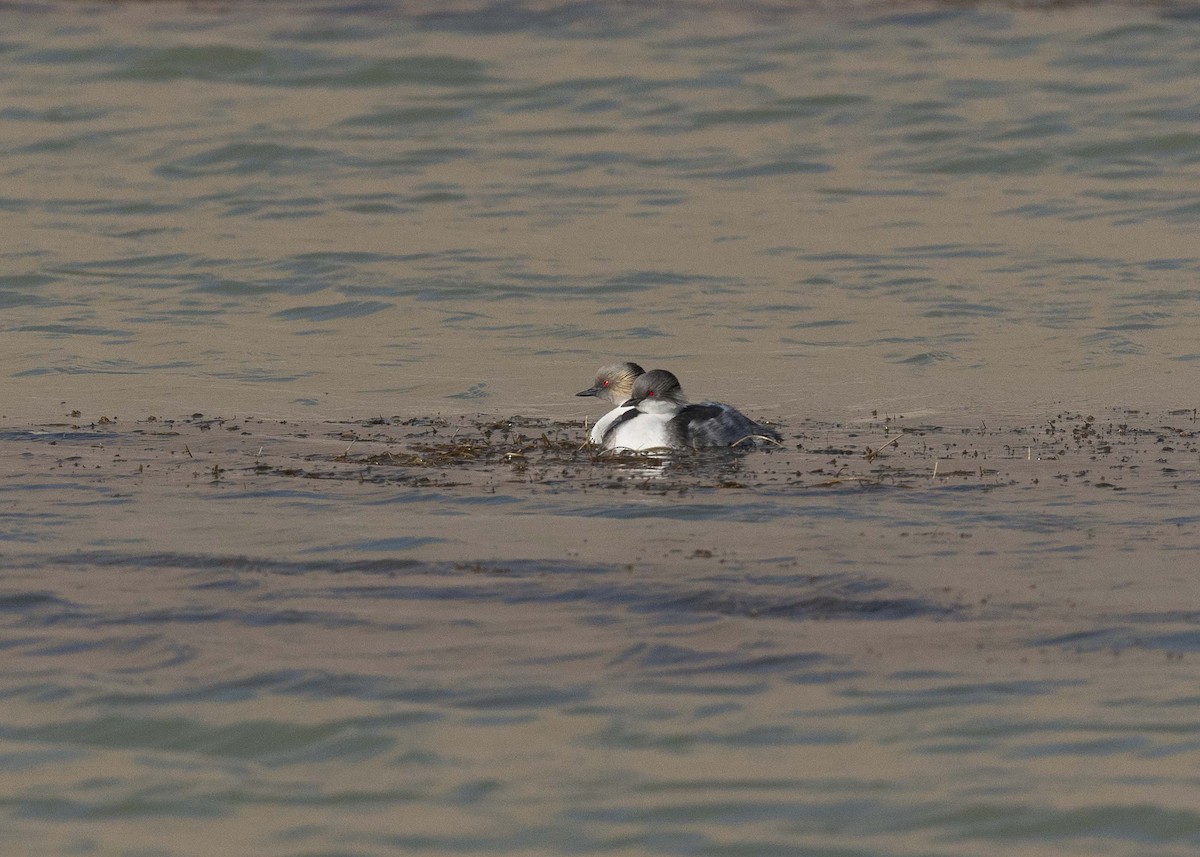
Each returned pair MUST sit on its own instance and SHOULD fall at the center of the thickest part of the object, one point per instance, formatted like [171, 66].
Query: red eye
[604, 383]
[651, 393]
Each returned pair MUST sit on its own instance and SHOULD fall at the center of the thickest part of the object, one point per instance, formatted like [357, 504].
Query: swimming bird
[658, 416]
[614, 384]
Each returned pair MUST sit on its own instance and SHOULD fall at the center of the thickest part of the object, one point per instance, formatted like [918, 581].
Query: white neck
[658, 406]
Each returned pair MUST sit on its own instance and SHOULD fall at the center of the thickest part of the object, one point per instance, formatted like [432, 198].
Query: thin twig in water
[753, 437]
[872, 454]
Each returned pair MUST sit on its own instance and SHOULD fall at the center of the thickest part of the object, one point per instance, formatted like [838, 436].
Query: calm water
[251, 250]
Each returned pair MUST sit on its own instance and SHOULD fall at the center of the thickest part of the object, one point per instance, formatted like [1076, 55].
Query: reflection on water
[950, 252]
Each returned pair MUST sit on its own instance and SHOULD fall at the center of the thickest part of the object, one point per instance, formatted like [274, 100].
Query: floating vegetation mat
[1117, 452]
[891, 453]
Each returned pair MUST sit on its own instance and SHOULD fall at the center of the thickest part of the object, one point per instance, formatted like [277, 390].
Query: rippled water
[284, 572]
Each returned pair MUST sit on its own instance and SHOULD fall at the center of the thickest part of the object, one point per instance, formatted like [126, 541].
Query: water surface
[300, 550]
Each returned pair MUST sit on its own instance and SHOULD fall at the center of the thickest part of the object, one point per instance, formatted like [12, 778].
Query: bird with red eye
[613, 384]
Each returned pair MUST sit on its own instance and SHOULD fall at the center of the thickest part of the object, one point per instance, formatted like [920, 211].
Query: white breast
[645, 431]
[602, 424]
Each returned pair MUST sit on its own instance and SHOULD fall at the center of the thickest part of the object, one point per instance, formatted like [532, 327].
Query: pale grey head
[614, 382]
